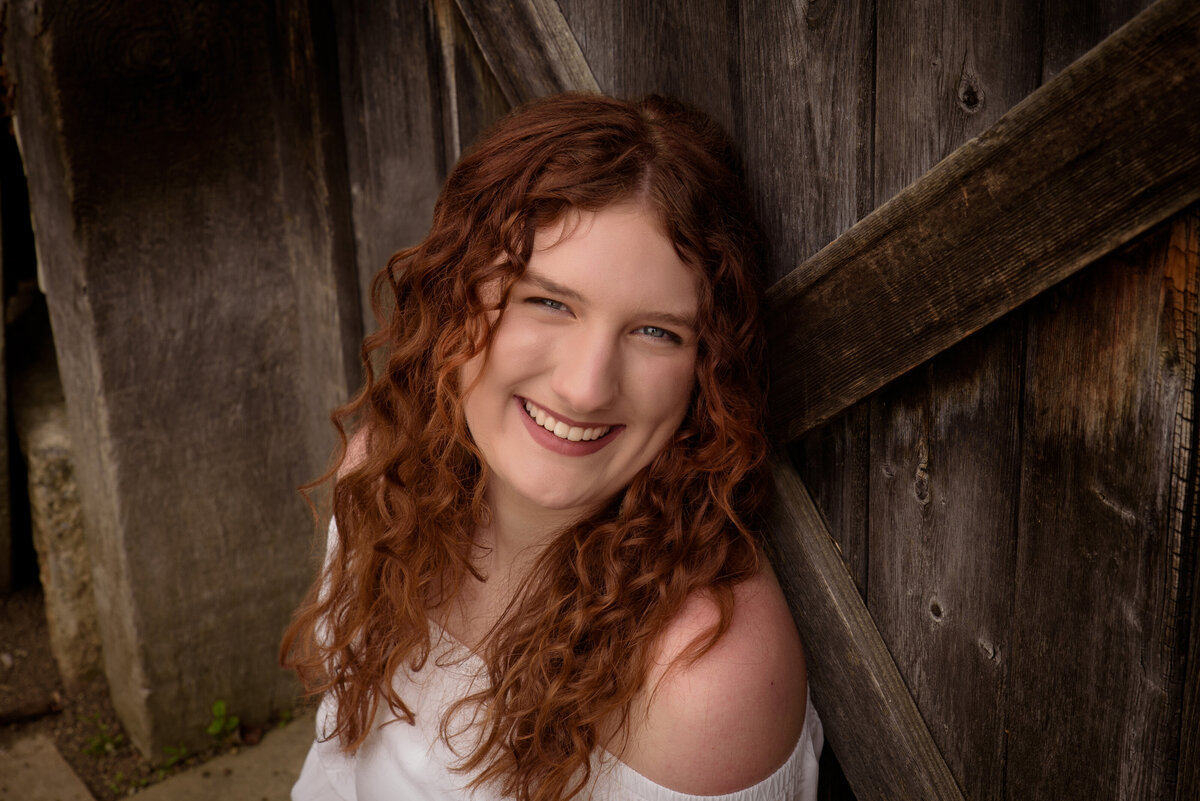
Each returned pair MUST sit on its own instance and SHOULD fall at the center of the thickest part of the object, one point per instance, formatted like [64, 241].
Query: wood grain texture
[882, 741]
[1070, 28]
[472, 99]
[393, 130]
[529, 48]
[833, 460]
[1084, 164]
[1101, 581]
[806, 86]
[805, 91]
[180, 185]
[944, 468]
[1183, 267]
[686, 49]
[944, 437]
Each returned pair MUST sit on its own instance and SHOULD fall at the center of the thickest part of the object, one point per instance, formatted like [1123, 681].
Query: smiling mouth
[562, 430]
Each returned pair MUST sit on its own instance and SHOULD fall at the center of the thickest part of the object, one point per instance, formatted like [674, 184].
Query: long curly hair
[572, 649]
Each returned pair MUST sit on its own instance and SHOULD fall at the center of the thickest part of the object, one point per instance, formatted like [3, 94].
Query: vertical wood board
[183, 166]
[804, 121]
[1070, 28]
[944, 73]
[944, 438]
[942, 502]
[687, 50]
[472, 99]
[1183, 267]
[528, 47]
[864, 703]
[390, 105]
[834, 462]
[1097, 661]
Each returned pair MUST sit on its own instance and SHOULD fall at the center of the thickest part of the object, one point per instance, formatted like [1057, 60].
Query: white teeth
[561, 429]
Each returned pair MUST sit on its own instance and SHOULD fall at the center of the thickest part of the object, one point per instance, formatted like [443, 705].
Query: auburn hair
[572, 649]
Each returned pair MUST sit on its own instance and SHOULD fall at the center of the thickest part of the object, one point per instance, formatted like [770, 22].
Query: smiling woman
[544, 579]
[578, 390]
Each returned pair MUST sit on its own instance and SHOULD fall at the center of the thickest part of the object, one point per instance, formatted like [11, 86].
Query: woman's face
[591, 366]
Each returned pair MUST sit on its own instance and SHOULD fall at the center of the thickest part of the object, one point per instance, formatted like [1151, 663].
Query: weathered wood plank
[865, 706]
[1073, 27]
[1101, 584]
[803, 120]
[944, 438]
[529, 48]
[1184, 493]
[686, 49]
[805, 82]
[390, 103]
[181, 172]
[834, 461]
[1184, 506]
[1084, 164]
[472, 99]
[944, 467]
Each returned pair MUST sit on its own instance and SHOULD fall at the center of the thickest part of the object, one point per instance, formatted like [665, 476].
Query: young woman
[543, 578]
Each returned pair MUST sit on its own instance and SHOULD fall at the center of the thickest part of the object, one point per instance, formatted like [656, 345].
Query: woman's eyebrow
[550, 286]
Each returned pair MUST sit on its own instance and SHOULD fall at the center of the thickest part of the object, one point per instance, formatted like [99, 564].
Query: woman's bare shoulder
[732, 717]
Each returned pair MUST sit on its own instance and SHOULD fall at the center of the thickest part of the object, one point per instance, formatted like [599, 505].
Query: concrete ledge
[33, 770]
[263, 772]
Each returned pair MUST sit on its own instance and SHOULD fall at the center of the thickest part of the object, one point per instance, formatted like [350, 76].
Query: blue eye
[548, 303]
[654, 332]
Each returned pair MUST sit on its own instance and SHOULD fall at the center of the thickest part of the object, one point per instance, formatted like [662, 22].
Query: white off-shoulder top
[403, 762]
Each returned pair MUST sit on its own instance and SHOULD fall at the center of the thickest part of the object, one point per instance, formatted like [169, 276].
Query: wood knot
[921, 477]
[936, 611]
[970, 96]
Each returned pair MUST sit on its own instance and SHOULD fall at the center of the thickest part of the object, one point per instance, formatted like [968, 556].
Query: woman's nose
[587, 373]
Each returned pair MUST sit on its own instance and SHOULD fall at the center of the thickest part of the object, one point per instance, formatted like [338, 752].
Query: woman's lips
[557, 444]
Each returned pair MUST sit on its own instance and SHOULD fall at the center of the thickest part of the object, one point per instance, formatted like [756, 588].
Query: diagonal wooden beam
[882, 741]
[529, 48]
[1107, 149]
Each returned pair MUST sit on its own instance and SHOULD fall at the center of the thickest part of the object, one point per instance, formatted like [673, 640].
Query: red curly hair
[572, 649]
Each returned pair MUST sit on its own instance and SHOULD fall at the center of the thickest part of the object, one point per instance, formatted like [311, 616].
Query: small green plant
[122, 784]
[117, 783]
[102, 742]
[285, 717]
[222, 723]
[175, 755]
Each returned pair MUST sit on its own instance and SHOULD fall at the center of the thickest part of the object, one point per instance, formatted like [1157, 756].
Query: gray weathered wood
[529, 48]
[1070, 28]
[866, 708]
[686, 49]
[472, 99]
[944, 456]
[1090, 160]
[390, 102]
[183, 175]
[944, 466]
[833, 459]
[1105, 544]
[804, 121]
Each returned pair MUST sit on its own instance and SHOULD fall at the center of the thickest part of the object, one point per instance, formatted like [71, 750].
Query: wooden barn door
[987, 504]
